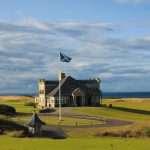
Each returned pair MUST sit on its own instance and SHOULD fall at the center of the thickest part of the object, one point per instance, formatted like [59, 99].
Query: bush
[103, 105]
[125, 134]
[17, 134]
[30, 104]
[110, 105]
[147, 132]
[7, 110]
[97, 104]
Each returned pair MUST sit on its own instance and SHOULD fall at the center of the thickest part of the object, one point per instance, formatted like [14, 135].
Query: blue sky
[109, 39]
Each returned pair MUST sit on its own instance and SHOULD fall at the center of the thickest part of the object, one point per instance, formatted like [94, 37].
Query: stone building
[73, 92]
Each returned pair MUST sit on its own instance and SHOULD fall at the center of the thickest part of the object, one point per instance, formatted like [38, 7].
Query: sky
[109, 39]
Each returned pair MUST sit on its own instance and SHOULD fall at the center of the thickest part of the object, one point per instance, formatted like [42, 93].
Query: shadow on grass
[47, 110]
[53, 132]
[137, 111]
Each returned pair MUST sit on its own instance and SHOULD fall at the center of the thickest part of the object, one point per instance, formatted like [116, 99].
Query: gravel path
[57, 132]
[68, 112]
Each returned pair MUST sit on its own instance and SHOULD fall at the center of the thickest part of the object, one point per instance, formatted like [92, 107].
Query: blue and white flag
[64, 58]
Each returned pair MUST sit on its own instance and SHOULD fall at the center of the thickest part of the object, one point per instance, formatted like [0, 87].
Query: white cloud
[132, 1]
[29, 51]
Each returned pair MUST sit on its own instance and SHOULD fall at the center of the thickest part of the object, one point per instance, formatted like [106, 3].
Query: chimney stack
[61, 75]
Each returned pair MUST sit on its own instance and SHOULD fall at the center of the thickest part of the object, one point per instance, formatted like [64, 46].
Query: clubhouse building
[73, 92]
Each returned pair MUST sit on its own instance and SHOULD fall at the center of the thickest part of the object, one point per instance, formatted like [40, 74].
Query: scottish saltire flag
[64, 58]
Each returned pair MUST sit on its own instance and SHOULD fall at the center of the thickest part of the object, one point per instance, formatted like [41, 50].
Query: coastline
[106, 95]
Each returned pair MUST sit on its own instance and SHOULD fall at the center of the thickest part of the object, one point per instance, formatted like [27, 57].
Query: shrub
[106, 133]
[103, 105]
[110, 105]
[7, 110]
[1, 131]
[147, 132]
[127, 133]
[17, 134]
[97, 104]
[30, 104]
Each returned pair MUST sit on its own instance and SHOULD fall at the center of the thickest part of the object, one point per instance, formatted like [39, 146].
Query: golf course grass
[126, 109]
[66, 121]
[135, 110]
[9, 143]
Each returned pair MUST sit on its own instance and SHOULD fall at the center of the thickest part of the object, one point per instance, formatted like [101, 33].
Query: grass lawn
[50, 120]
[8, 143]
[111, 113]
[131, 109]
[137, 105]
[89, 139]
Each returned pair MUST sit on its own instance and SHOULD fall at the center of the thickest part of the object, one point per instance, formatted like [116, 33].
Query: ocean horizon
[105, 94]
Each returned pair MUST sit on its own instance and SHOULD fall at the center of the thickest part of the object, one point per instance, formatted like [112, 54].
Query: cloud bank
[132, 1]
[29, 51]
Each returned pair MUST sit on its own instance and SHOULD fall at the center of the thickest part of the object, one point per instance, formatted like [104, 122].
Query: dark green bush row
[106, 105]
[7, 110]
[147, 132]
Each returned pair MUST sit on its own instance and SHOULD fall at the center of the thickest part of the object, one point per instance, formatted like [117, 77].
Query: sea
[105, 94]
[126, 95]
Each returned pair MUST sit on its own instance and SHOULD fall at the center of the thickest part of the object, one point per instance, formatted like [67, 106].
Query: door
[79, 100]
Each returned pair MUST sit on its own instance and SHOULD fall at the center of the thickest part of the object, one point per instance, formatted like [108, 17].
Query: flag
[64, 58]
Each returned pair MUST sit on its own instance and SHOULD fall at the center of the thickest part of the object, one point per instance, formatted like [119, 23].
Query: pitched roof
[88, 81]
[35, 120]
[51, 82]
[68, 85]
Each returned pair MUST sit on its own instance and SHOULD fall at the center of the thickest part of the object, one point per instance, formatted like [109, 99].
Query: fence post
[76, 124]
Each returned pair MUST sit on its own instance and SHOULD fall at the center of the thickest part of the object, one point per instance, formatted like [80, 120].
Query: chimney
[61, 75]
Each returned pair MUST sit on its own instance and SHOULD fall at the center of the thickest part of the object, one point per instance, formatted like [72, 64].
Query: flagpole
[59, 90]
[67, 59]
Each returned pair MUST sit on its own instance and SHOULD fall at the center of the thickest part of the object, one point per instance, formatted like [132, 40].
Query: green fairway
[130, 109]
[134, 103]
[8, 143]
[111, 113]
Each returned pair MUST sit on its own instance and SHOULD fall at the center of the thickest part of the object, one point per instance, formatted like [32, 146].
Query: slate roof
[35, 120]
[52, 82]
[68, 85]
[88, 81]
[50, 85]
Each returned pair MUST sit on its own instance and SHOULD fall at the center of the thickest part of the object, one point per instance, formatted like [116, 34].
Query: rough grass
[7, 143]
[136, 103]
[135, 130]
[15, 98]
[132, 109]
[18, 102]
